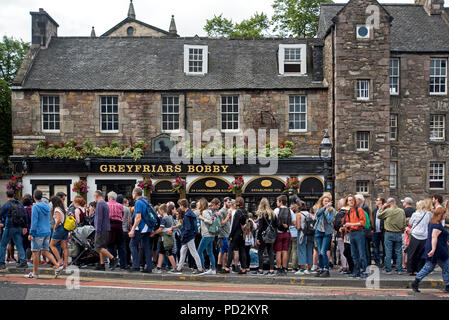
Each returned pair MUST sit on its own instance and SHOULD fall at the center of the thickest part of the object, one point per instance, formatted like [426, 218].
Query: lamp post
[326, 156]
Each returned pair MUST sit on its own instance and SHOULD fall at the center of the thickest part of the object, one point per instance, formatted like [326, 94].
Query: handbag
[270, 234]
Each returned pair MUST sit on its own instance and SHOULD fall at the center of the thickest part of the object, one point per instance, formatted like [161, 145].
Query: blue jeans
[358, 250]
[430, 266]
[393, 242]
[305, 251]
[378, 240]
[121, 252]
[207, 244]
[322, 244]
[144, 240]
[12, 233]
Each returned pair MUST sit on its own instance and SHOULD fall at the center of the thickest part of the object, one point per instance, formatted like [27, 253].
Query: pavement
[376, 280]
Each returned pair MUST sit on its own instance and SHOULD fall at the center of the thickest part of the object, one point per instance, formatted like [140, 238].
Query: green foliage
[12, 53]
[74, 150]
[297, 17]
[254, 27]
[5, 121]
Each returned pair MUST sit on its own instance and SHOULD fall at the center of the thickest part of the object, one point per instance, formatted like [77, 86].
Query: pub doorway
[124, 187]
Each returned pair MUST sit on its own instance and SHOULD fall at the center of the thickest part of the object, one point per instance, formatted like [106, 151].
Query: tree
[5, 121]
[12, 53]
[255, 27]
[297, 17]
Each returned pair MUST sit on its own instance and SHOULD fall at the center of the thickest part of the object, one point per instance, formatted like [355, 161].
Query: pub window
[292, 59]
[362, 89]
[394, 76]
[436, 177]
[109, 114]
[362, 186]
[195, 59]
[50, 114]
[297, 113]
[393, 127]
[230, 113]
[438, 76]
[393, 175]
[170, 114]
[437, 127]
[362, 140]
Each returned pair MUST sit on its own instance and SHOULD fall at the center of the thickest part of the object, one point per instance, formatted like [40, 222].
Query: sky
[76, 18]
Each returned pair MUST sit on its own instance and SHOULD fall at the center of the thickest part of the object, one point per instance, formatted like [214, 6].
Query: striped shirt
[115, 211]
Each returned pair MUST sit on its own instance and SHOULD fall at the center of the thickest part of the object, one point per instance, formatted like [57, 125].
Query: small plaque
[210, 183]
[266, 183]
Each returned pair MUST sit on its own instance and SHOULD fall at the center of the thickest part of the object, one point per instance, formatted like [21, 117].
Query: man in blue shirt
[13, 231]
[140, 233]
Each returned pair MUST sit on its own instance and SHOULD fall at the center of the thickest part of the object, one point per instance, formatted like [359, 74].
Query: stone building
[375, 78]
[388, 96]
[146, 84]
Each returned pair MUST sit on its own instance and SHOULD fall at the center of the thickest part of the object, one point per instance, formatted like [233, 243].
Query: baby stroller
[81, 247]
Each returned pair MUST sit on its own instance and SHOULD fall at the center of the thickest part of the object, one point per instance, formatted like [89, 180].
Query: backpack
[285, 217]
[215, 227]
[17, 214]
[69, 223]
[367, 224]
[309, 224]
[270, 234]
[151, 219]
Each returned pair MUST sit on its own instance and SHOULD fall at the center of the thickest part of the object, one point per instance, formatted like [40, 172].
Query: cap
[408, 200]
[391, 200]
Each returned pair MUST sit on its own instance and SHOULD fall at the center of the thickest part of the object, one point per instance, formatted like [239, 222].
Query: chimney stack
[43, 27]
[432, 7]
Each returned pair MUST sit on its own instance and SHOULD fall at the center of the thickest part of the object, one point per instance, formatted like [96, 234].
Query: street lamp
[325, 156]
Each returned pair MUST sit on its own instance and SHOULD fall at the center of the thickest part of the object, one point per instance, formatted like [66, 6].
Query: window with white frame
[362, 186]
[292, 59]
[393, 127]
[297, 113]
[437, 127]
[438, 76]
[393, 174]
[362, 140]
[436, 177]
[170, 114]
[230, 113]
[50, 114]
[362, 89]
[394, 76]
[195, 59]
[109, 114]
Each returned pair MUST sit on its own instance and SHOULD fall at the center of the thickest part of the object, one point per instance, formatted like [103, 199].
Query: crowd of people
[220, 236]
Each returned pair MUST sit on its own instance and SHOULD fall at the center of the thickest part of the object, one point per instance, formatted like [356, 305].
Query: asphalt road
[16, 287]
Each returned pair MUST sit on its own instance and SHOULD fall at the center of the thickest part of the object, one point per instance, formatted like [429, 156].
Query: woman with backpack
[207, 219]
[324, 229]
[237, 243]
[248, 235]
[265, 239]
[304, 224]
[80, 211]
[60, 234]
[188, 233]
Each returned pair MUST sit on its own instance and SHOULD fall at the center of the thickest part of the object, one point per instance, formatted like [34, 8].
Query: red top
[115, 211]
[351, 217]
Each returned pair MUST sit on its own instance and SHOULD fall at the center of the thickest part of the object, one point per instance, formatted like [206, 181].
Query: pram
[81, 246]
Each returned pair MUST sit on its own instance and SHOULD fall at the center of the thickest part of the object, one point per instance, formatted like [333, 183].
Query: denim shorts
[223, 245]
[40, 243]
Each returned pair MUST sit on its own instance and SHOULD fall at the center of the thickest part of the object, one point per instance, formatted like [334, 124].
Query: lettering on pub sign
[164, 169]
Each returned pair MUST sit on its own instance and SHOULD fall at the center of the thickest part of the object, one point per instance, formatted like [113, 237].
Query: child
[407, 231]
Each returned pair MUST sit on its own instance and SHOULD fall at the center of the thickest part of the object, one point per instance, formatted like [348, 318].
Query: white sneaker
[32, 276]
[210, 271]
[307, 272]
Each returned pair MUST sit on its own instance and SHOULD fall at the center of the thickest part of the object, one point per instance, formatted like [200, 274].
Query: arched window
[130, 31]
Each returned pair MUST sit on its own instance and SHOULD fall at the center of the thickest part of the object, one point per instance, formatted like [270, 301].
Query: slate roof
[147, 63]
[412, 29]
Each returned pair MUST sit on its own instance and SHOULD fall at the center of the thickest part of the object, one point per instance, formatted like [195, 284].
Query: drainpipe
[333, 113]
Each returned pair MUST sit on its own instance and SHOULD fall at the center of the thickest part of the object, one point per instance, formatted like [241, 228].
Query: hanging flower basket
[15, 184]
[147, 186]
[237, 186]
[292, 183]
[179, 184]
[81, 188]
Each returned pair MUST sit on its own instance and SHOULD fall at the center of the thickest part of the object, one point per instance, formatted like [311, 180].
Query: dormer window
[292, 59]
[195, 60]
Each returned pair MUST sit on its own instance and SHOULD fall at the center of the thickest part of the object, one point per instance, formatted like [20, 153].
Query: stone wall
[362, 59]
[413, 150]
[139, 31]
[140, 116]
